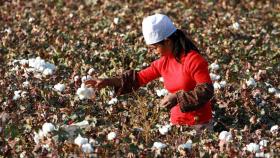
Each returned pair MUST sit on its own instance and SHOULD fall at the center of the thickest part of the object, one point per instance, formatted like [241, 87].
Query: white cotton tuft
[91, 71]
[116, 21]
[164, 129]
[274, 129]
[161, 92]
[59, 87]
[25, 84]
[271, 90]
[111, 135]
[236, 26]
[113, 101]
[253, 147]
[214, 66]
[48, 127]
[263, 143]
[214, 77]
[87, 148]
[16, 95]
[85, 93]
[251, 82]
[187, 145]
[159, 145]
[217, 85]
[80, 140]
[225, 136]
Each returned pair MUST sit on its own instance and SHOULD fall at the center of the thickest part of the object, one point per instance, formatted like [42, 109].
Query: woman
[184, 70]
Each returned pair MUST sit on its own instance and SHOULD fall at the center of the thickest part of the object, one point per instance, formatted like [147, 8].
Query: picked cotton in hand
[85, 93]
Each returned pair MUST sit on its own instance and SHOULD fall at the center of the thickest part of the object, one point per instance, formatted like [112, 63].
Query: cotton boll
[253, 147]
[111, 135]
[85, 93]
[159, 145]
[76, 78]
[263, 143]
[16, 95]
[161, 92]
[59, 87]
[223, 84]
[214, 66]
[251, 82]
[164, 129]
[113, 101]
[85, 78]
[82, 123]
[274, 129]
[87, 148]
[116, 21]
[161, 79]
[277, 95]
[80, 140]
[236, 26]
[91, 71]
[25, 84]
[187, 145]
[214, 77]
[271, 90]
[23, 94]
[47, 72]
[225, 136]
[217, 85]
[48, 127]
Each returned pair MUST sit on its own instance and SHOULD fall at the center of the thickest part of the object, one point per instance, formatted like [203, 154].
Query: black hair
[180, 42]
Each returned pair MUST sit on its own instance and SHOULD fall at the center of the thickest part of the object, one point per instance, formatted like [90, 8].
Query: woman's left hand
[169, 101]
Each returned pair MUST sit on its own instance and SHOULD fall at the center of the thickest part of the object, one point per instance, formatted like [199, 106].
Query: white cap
[156, 28]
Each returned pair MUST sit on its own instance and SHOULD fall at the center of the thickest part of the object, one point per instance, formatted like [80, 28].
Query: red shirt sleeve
[149, 74]
[198, 68]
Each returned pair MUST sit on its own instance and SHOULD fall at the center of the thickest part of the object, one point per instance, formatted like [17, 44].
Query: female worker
[184, 71]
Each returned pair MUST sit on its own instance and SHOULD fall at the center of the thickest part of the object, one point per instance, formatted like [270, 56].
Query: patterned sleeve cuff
[129, 82]
[192, 100]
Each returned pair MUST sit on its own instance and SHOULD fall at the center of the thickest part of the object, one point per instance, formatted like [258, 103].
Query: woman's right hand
[97, 83]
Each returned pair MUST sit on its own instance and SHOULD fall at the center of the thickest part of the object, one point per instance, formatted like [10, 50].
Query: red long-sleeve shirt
[192, 70]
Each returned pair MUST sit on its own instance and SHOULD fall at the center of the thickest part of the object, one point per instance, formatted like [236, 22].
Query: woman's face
[161, 48]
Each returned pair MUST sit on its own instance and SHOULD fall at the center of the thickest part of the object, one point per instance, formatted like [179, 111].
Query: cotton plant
[161, 92]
